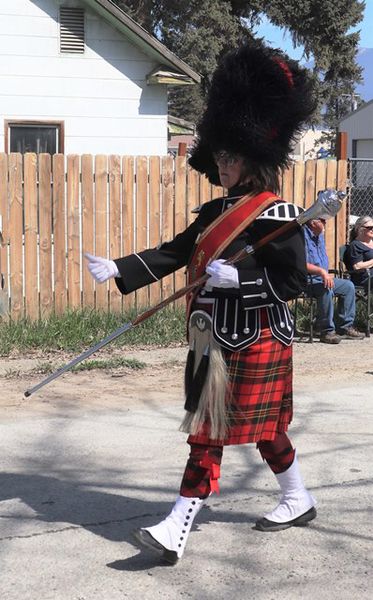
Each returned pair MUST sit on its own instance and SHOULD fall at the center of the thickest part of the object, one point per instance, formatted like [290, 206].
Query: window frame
[8, 123]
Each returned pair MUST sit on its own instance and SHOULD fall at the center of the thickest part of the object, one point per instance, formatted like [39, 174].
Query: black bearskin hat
[258, 100]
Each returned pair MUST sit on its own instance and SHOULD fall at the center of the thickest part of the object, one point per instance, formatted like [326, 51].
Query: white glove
[222, 275]
[100, 268]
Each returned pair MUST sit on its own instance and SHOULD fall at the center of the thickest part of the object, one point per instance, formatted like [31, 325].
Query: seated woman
[359, 254]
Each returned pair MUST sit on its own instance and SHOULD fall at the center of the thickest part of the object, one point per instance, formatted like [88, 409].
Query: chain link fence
[360, 176]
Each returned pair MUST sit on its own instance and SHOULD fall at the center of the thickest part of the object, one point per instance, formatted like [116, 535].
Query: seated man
[323, 286]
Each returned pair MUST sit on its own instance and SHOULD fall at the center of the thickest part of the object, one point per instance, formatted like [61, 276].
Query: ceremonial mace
[326, 206]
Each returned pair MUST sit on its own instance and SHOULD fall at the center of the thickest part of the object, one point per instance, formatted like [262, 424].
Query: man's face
[317, 226]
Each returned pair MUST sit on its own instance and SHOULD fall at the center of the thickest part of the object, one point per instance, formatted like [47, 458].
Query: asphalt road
[75, 481]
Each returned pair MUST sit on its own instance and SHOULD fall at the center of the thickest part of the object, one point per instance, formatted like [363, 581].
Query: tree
[323, 31]
[199, 32]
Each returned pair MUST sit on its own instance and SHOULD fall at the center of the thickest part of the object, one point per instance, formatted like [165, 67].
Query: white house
[80, 76]
[308, 145]
[359, 128]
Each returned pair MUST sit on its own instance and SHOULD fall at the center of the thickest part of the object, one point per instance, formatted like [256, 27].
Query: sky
[278, 38]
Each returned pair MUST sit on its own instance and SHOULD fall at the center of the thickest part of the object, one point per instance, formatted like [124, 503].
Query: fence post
[182, 149]
[341, 145]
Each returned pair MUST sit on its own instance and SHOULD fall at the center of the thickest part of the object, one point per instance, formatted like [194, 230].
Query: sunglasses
[368, 227]
[225, 158]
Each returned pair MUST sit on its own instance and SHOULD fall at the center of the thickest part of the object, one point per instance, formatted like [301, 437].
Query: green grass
[360, 320]
[79, 329]
[303, 320]
[46, 367]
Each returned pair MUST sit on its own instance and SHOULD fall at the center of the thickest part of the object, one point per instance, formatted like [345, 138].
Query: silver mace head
[328, 203]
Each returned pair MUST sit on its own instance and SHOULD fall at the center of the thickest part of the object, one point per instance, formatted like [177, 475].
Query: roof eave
[354, 112]
[140, 37]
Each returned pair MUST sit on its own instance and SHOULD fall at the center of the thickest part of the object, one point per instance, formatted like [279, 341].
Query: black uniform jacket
[268, 278]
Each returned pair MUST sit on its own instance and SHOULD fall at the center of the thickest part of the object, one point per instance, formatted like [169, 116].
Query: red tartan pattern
[279, 454]
[259, 396]
[202, 471]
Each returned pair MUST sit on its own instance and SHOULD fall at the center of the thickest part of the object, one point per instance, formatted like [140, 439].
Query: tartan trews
[279, 454]
[202, 471]
[259, 395]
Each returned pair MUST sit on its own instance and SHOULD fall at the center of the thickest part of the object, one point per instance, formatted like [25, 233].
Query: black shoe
[144, 539]
[350, 333]
[330, 337]
[267, 525]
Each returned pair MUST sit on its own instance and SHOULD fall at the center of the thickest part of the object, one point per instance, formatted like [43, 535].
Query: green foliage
[303, 316]
[91, 365]
[199, 32]
[47, 367]
[77, 330]
[360, 319]
[111, 363]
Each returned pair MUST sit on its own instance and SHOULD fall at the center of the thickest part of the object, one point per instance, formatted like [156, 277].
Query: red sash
[223, 230]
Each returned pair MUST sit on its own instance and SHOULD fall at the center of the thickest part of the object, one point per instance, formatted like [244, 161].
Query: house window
[21, 136]
[71, 30]
[354, 148]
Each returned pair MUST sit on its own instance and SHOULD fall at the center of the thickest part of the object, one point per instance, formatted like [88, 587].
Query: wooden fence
[56, 208]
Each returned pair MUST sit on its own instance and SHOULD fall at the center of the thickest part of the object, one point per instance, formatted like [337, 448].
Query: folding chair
[363, 296]
[312, 307]
[308, 302]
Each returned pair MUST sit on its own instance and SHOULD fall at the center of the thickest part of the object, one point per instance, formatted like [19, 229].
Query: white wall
[101, 95]
[308, 144]
[364, 149]
[359, 126]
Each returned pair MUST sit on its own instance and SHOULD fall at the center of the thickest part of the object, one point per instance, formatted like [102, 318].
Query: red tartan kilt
[259, 398]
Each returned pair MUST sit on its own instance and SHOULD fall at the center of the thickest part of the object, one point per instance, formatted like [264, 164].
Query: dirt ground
[161, 380]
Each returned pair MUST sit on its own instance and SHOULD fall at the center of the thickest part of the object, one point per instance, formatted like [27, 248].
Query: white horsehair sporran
[204, 350]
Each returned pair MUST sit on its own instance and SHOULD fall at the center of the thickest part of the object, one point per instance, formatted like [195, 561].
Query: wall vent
[71, 30]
